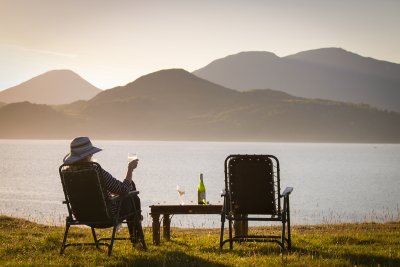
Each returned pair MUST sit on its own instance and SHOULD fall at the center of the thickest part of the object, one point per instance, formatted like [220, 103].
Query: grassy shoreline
[358, 244]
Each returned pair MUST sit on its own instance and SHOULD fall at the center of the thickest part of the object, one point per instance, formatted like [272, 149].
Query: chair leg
[289, 240]
[283, 233]
[140, 234]
[221, 237]
[95, 238]
[110, 247]
[284, 220]
[65, 238]
[230, 234]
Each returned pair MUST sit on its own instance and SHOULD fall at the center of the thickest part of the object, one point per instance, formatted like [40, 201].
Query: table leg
[237, 226]
[166, 227]
[156, 228]
[241, 226]
[245, 226]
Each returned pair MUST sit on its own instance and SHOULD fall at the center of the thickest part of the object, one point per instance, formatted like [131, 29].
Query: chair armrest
[121, 197]
[132, 193]
[223, 193]
[287, 191]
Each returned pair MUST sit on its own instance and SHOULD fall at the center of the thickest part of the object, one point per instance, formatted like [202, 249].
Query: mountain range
[177, 105]
[327, 73]
[52, 88]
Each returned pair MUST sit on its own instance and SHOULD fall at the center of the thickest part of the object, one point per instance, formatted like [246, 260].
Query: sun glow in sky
[111, 43]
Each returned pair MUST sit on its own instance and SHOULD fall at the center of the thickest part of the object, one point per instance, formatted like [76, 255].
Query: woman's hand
[132, 165]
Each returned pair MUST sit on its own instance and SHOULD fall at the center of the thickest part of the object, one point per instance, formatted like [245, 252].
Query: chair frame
[111, 221]
[282, 215]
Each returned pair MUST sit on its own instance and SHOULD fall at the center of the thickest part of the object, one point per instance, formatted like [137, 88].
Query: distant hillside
[177, 105]
[27, 120]
[51, 88]
[172, 89]
[163, 105]
[328, 73]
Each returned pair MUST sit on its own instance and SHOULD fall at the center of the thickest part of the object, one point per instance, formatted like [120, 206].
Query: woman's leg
[131, 207]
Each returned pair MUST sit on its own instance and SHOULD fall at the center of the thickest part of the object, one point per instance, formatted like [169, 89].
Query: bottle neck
[201, 183]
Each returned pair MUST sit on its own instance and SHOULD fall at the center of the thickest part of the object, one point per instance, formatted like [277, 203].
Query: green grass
[365, 244]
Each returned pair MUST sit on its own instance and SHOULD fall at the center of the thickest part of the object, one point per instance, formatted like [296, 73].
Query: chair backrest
[85, 192]
[252, 184]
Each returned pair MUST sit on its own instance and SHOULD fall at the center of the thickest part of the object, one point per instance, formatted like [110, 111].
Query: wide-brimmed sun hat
[81, 147]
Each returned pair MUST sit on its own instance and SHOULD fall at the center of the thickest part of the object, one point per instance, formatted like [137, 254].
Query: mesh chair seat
[89, 204]
[252, 193]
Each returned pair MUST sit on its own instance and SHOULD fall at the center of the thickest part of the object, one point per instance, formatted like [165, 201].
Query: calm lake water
[332, 182]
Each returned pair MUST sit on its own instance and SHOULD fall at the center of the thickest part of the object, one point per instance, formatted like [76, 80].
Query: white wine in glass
[181, 192]
[132, 157]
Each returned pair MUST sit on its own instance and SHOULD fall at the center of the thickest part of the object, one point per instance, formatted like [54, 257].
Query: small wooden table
[167, 210]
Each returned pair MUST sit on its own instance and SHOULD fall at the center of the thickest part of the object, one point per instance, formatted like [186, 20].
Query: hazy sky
[111, 43]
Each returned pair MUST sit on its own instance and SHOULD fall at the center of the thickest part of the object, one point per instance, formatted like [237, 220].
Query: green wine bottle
[201, 191]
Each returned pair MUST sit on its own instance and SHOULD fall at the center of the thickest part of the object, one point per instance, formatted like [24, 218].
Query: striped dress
[116, 187]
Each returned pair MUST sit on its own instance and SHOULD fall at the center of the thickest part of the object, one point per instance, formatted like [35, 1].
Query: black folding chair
[88, 204]
[252, 193]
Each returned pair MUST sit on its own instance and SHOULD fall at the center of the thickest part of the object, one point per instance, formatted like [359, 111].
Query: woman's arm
[115, 186]
[131, 166]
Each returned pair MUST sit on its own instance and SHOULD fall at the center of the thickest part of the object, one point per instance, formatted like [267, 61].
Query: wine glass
[181, 192]
[132, 157]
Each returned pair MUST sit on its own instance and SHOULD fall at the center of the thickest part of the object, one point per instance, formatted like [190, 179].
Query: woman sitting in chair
[82, 150]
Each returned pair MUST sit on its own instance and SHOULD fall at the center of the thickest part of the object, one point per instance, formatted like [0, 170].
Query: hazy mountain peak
[53, 87]
[58, 73]
[54, 77]
[166, 75]
[326, 51]
[327, 73]
[167, 84]
[175, 78]
[256, 54]
[252, 58]
[328, 56]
